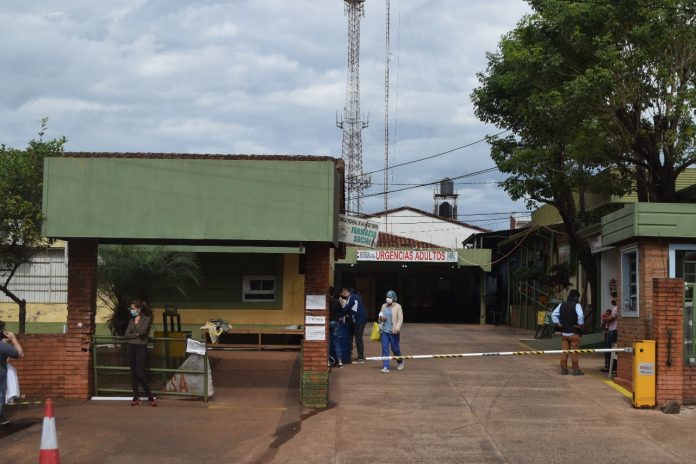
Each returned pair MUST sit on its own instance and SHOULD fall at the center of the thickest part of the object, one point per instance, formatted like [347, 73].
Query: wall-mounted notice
[315, 320]
[315, 333]
[316, 302]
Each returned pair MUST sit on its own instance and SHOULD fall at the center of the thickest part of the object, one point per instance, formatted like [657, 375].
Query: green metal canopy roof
[192, 199]
[677, 220]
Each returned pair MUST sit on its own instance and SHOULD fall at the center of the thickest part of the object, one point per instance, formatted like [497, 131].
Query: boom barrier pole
[500, 353]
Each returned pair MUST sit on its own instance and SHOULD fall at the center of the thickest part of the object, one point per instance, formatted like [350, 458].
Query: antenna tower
[351, 123]
[386, 113]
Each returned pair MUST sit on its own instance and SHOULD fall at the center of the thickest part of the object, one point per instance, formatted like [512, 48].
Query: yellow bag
[375, 335]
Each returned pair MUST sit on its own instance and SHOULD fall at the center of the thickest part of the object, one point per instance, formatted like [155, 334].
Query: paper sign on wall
[315, 320]
[315, 302]
[315, 333]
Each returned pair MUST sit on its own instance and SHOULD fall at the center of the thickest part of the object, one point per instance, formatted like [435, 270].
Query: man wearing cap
[569, 319]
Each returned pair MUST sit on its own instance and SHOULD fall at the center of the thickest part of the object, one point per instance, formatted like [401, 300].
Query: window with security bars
[629, 283]
[686, 269]
[261, 289]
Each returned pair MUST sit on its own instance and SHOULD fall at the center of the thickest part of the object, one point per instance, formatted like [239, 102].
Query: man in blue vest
[356, 309]
[569, 319]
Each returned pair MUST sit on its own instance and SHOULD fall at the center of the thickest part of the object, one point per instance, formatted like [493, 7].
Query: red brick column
[60, 365]
[652, 256]
[315, 372]
[668, 323]
[82, 307]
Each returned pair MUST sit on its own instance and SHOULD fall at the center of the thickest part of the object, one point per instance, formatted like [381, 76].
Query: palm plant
[129, 272]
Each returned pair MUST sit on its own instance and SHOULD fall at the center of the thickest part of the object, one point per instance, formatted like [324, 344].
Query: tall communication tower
[351, 123]
[386, 110]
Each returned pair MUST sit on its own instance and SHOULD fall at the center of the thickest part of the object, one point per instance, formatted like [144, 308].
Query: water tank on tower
[445, 200]
[447, 186]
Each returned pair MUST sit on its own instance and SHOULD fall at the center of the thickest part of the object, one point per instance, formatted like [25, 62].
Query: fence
[112, 372]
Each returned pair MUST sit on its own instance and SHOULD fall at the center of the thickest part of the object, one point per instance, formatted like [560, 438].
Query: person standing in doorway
[569, 319]
[612, 337]
[9, 348]
[391, 317]
[137, 335]
[335, 315]
[356, 309]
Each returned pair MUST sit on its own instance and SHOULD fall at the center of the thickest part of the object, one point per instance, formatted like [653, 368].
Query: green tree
[129, 272]
[528, 90]
[599, 98]
[644, 85]
[21, 191]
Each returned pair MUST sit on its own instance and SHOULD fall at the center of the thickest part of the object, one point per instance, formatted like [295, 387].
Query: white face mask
[390, 300]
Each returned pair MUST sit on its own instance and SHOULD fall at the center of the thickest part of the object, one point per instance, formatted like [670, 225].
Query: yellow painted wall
[36, 312]
[292, 312]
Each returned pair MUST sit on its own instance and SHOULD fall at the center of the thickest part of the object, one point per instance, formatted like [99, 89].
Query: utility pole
[351, 122]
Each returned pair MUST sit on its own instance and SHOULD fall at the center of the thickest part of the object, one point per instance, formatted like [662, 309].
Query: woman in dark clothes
[137, 335]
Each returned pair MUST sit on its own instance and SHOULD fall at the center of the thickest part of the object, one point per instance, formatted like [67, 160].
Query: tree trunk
[642, 186]
[594, 302]
[664, 184]
[22, 316]
[581, 247]
[22, 306]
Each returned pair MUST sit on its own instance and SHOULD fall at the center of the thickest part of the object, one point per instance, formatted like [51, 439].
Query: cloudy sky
[259, 77]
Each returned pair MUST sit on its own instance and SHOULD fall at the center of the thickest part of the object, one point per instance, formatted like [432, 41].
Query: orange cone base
[49, 457]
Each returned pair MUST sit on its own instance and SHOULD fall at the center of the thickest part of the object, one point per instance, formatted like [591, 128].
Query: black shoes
[4, 420]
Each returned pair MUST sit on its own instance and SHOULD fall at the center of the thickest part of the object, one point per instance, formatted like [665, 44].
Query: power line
[461, 215]
[476, 173]
[440, 222]
[418, 160]
[456, 183]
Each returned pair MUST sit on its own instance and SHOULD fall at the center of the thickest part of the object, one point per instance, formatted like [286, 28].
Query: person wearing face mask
[137, 335]
[391, 317]
[355, 308]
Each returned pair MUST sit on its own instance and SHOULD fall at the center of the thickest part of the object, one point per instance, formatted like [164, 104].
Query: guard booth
[273, 215]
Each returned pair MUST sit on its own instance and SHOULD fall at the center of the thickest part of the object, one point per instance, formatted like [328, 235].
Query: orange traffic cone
[49, 441]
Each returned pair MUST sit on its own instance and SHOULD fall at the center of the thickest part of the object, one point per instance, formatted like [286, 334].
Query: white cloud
[262, 76]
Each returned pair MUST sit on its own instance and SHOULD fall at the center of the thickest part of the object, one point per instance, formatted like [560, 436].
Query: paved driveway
[473, 410]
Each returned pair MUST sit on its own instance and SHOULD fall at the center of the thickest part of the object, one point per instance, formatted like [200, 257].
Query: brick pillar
[315, 372]
[652, 258]
[668, 323]
[82, 307]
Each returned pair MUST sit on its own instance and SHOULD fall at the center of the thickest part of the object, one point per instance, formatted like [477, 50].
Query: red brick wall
[60, 365]
[315, 372]
[652, 263]
[53, 366]
[668, 332]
